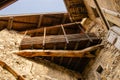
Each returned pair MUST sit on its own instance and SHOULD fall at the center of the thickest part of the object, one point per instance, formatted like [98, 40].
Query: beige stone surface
[30, 70]
[109, 59]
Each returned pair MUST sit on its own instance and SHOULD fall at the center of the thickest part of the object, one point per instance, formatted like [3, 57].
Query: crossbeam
[60, 53]
[47, 28]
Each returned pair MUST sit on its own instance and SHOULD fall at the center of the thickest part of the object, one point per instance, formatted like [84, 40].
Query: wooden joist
[59, 53]
[5, 66]
[47, 28]
[28, 43]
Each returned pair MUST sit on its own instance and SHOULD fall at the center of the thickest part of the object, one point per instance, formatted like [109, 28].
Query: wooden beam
[64, 18]
[40, 21]
[90, 11]
[59, 53]
[114, 19]
[48, 28]
[56, 39]
[10, 23]
[101, 14]
[92, 15]
[5, 3]
[67, 41]
[5, 66]
[44, 36]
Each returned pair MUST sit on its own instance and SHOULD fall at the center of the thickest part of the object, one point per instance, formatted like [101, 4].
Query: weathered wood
[101, 14]
[67, 41]
[55, 39]
[48, 28]
[76, 9]
[90, 11]
[113, 19]
[44, 36]
[59, 53]
[5, 66]
[10, 23]
[40, 21]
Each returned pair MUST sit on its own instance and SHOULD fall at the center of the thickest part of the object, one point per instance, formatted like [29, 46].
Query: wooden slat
[59, 53]
[16, 75]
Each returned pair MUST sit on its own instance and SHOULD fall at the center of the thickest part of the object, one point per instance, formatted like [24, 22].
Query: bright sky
[34, 6]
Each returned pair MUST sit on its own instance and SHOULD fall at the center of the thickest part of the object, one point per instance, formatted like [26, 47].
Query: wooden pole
[5, 66]
[59, 53]
[90, 11]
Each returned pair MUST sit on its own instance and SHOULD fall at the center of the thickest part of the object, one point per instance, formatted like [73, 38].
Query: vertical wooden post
[10, 23]
[40, 21]
[44, 37]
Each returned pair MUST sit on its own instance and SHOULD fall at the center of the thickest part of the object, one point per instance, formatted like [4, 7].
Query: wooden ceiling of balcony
[56, 31]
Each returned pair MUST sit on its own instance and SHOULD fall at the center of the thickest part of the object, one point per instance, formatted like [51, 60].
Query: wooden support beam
[44, 37]
[59, 53]
[48, 28]
[80, 27]
[113, 19]
[101, 14]
[64, 18]
[28, 42]
[40, 21]
[67, 41]
[92, 15]
[5, 66]
[10, 23]
[90, 11]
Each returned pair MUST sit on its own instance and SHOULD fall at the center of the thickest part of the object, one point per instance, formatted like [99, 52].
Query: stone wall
[113, 5]
[106, 66]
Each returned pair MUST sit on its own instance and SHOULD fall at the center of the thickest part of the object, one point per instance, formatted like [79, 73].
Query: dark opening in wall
[99, 69]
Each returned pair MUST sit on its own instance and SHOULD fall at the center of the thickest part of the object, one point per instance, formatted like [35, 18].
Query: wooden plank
[16, 75]
[113, 19]
[59, 53]
[57, 38]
